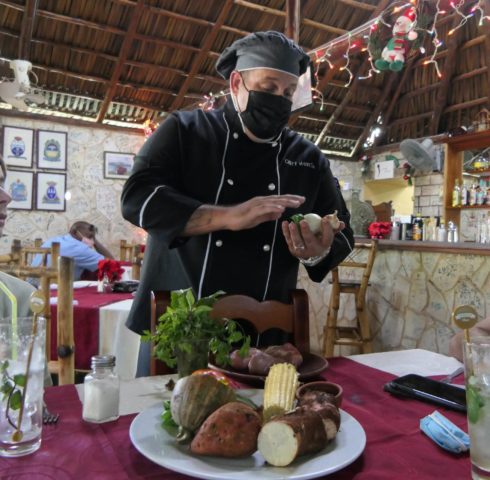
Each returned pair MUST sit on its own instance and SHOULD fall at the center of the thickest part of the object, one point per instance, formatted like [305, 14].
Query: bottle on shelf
[464, 195]
[441, 232]
[472, 196]
[456, 199]
[417, 227]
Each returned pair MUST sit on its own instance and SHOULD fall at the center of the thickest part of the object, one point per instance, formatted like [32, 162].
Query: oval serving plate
[311, 367]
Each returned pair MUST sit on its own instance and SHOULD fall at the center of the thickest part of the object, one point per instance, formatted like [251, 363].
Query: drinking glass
[477, 372]
[22, 343]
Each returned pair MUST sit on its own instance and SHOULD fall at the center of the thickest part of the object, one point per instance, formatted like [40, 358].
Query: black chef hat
[263, 50]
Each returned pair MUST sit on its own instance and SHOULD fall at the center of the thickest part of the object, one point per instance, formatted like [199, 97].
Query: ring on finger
[300, 247]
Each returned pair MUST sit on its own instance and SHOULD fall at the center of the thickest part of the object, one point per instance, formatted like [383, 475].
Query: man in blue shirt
[80, 244]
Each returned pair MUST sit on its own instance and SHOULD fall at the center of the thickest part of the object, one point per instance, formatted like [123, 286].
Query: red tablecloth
[85, 323]
[395, 450]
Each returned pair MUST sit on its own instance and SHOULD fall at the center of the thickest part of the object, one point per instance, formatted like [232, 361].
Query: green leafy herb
[11, 390]
[187, 321]
[475, 403]
[297, 217]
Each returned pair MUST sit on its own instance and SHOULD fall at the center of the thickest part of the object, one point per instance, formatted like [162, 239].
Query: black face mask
[266, 114]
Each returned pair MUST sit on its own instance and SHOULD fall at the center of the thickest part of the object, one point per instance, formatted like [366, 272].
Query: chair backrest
[356, 268]
[12, 259]
[128, 251]
[383, 211]
[27, 255]
[292, 318]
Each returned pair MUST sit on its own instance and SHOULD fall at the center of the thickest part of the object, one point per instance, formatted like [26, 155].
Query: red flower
[109, 268]
[379, 229]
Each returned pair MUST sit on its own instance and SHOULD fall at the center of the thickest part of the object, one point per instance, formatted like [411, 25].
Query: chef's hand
[302, 243]
[260, 209]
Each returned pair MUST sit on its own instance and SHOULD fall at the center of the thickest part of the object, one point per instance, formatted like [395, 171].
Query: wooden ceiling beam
[199, 58]
[444, 89]
[26, 29]
[471, 73]
[319, 118]
[469, 104]
[356, 72]
[387, 88]
[281, 13]
[486, 31]
[123, 54]
[359, 5]
[411, 118]
[293, 20]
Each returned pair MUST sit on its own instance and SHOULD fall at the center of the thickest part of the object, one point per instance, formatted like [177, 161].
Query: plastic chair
[292, 318]
[360, 334]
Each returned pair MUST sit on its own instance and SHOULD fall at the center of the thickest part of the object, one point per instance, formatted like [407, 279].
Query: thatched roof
[133, 60]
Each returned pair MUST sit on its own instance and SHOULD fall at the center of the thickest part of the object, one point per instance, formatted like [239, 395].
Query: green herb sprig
[12, 390]
[187, 321]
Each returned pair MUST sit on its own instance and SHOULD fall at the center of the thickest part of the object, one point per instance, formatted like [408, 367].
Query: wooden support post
[65, 322]
[293, 19]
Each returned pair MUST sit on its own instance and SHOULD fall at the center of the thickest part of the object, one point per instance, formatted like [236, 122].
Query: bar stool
[360, 334]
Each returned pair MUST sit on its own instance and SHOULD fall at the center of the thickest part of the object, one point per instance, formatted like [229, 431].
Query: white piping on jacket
[205, 263]
[275, 224]
[142, 211]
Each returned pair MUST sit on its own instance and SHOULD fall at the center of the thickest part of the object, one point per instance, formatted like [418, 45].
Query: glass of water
[477, 373]
[22, 359]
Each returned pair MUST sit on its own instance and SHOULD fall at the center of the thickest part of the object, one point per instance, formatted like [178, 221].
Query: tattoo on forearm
[198, 221]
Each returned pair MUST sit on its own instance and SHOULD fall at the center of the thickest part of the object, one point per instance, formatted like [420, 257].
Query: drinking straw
[13, 303]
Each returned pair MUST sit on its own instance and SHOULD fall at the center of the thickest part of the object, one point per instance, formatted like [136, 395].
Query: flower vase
[195, 359]
[104, 286]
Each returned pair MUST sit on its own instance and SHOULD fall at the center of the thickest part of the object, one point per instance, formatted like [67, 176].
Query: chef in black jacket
[215, 189]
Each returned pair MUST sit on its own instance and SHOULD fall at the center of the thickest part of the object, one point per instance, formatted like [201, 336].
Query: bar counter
[414, 287]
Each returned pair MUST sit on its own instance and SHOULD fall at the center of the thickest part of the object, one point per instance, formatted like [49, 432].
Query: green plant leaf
[4, 365]
[15, 400]
[20, 379]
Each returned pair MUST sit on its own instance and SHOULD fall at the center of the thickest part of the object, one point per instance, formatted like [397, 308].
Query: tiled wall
[428, 195]
[94, 198]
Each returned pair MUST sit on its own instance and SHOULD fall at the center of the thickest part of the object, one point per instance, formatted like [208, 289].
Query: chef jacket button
[230, 181]
[274, 144]
[235, 135]
[271, 186]
[219, 243]
[266, 248]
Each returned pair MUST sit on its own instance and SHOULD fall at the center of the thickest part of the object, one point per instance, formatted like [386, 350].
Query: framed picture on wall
[51, 150]
[50, 191]
[117, 164]
[20, 185]
[17, 146]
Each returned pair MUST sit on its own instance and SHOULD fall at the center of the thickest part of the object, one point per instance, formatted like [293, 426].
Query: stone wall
[429, 195]
[410, 299]
[93, 197]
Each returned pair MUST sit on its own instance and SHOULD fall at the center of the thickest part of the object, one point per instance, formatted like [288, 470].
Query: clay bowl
[333, 389]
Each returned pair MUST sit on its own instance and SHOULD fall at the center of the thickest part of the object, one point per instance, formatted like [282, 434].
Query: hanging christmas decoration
[149, 127]
[393, 55]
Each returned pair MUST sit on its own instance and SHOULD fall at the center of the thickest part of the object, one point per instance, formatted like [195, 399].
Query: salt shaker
[101, 391]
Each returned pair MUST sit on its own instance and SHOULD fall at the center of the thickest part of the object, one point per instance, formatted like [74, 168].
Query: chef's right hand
[260, 209]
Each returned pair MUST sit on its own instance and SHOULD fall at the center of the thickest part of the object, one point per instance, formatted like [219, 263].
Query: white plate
[152, 441]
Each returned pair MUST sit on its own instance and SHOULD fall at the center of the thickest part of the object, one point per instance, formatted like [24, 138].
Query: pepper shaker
[101, 391]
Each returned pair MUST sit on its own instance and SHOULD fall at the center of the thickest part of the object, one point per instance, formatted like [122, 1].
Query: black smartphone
[426, 389]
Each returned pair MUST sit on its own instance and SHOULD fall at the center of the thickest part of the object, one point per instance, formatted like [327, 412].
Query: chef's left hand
[306, 244]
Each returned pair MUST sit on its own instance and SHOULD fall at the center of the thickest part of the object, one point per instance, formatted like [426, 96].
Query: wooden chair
[12, 259]
[27, 254]
[128, 251]
[360, 334]
[383, 211]
[292, 318]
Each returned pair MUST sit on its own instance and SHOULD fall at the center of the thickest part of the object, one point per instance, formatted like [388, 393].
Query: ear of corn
[279, 390]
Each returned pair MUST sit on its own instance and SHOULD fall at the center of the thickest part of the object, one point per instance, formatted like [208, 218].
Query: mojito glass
[477, 372]
[22, 343]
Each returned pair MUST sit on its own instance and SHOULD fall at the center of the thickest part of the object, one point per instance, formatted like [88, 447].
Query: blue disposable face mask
[445, 433]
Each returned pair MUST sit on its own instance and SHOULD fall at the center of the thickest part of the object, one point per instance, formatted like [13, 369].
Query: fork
[453, 375]
[48, 417]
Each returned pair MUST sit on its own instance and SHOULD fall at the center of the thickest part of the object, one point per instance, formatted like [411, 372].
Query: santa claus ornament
[393, 55]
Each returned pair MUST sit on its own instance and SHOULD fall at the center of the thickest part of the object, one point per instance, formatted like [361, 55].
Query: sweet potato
[287, 353]
[261, 363]
[231, 431]
[241, 363]
[288, 436]
[330, 415]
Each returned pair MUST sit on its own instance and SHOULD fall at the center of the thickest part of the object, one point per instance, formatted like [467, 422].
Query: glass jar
[101, 391]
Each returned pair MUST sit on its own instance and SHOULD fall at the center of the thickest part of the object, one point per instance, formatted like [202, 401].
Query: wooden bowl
[333, 389]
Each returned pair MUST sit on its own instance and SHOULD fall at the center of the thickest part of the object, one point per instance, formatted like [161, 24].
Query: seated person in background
[80, 244]
[20, 289]
[481, 329]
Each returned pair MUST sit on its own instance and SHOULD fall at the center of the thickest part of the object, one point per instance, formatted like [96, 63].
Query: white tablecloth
[115, 338]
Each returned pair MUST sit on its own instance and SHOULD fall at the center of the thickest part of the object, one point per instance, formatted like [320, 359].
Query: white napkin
[54, 301]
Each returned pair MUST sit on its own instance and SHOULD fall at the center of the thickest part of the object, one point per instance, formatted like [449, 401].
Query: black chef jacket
[199, 157]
